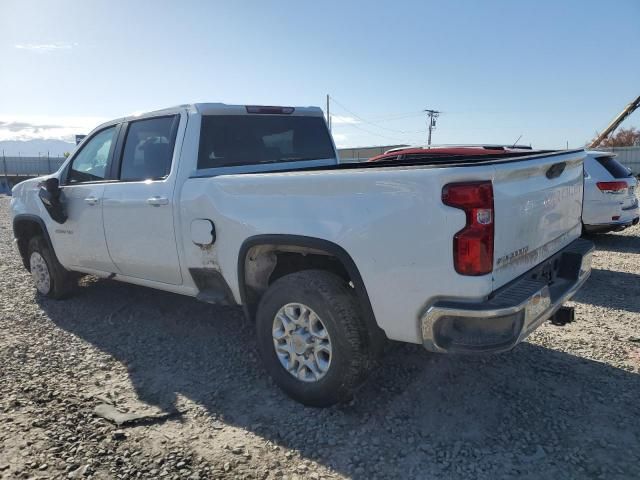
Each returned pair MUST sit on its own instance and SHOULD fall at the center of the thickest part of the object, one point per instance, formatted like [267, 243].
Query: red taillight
[473, 245]
[612, 187]
[269, 110]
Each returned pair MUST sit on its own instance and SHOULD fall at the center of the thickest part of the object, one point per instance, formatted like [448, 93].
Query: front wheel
[49, 277]
[312, 337]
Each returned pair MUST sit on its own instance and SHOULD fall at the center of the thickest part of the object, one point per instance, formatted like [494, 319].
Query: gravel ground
[565, 404]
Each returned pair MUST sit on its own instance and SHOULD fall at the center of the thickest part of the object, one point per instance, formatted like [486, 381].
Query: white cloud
[340, 139]
[45, 47]
[337, 119]
[19, 127]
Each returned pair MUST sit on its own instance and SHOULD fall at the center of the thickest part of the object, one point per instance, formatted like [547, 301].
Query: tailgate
[538, 210]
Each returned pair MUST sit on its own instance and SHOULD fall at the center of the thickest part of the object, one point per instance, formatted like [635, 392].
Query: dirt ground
[565, 404]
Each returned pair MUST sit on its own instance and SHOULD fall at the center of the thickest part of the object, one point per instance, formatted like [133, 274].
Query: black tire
[61, 281]
[335, 303]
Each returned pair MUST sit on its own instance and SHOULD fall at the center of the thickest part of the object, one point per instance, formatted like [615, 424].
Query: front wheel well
[24, 229]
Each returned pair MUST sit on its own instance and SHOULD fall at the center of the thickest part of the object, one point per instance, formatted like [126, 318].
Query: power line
[374, 133]
[363, 120]
[397, 116]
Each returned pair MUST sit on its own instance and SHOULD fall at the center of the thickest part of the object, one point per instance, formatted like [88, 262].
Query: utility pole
[328, 115]
[432, 115]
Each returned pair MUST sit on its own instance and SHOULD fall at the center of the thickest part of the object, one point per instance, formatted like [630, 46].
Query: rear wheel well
[264, 264]
[291, 262]
[261, 264]
[24, 230]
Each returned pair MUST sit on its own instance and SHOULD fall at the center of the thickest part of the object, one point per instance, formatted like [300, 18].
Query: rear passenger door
[138, 209]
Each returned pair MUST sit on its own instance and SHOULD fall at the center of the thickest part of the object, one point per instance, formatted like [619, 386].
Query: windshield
[230, 140]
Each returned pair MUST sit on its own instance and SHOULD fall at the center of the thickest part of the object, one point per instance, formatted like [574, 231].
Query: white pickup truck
[250, 205]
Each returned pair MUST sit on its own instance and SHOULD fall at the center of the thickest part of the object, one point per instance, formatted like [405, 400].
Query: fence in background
[13, 168]
[16, 169]
[628, 156]
[29, 166]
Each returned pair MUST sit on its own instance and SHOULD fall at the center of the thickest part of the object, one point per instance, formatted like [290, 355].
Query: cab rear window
[231, 140]
[614, 167]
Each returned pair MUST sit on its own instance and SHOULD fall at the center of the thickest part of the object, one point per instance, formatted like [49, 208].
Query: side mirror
[52, 185]
[50, 196]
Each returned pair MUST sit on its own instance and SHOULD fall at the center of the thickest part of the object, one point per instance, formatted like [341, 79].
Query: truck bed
[391, 219]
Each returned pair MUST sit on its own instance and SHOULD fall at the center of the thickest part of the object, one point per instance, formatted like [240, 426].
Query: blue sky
[551, 71]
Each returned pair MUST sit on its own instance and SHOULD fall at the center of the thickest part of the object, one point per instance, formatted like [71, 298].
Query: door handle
[92, 200]
[157, 201]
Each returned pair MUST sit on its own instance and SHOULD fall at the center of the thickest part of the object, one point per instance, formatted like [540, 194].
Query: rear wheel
[312, 337]
[49, 277]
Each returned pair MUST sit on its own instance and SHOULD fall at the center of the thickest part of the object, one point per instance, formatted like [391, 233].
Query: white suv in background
[610, 202]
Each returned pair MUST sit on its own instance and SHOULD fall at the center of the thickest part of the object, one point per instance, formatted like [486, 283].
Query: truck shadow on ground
[532, 411]
[612, 242]
[611, 289]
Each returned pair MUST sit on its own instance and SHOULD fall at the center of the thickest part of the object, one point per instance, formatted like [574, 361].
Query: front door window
[90, 164]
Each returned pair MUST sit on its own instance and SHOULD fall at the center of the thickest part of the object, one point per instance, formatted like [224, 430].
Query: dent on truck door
[138, 210]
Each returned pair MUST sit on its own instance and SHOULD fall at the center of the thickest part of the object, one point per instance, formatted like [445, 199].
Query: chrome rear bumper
[512, 312]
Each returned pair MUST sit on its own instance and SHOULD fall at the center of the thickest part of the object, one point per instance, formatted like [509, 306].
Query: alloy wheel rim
[40, 273]
[302, 343]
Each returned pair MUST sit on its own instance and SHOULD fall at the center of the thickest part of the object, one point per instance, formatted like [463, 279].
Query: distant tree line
[625, 137]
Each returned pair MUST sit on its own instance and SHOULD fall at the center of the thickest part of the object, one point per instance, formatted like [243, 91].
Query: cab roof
[218, 109]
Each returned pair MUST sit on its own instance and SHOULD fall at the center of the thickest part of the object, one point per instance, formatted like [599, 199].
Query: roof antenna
[516, 142]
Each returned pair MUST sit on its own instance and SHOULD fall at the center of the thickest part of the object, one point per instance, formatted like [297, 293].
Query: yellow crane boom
[628, 110]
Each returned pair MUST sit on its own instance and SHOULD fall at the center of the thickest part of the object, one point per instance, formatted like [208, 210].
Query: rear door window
[231, 140]
[614, 167]
[148, 148]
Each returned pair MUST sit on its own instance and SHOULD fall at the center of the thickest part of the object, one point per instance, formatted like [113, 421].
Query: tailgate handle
[555, 170]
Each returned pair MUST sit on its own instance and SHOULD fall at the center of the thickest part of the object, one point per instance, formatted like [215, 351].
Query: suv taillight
[612, 187]
[473, 245]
